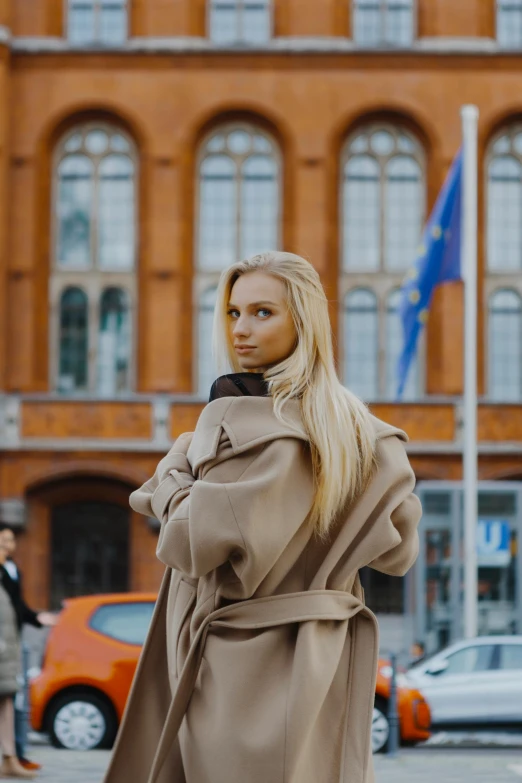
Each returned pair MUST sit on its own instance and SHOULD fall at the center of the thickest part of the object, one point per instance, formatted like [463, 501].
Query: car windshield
[126, 622]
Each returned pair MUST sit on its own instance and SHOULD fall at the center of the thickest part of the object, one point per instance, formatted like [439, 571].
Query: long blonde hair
[336, 421]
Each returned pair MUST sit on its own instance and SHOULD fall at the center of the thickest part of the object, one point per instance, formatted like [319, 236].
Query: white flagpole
[469, 115]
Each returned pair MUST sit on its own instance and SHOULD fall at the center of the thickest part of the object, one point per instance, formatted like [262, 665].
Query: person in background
[12, 582]
[9, 679]
[417, 653]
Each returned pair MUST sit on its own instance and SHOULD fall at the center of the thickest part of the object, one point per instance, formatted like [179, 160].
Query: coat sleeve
[176, 459]
[240, 511]
[396, 527]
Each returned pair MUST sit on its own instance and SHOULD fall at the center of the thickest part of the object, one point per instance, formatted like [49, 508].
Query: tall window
[383, 22]
[102, 22]
[509, 23]
[93, 279]
[504, 264]
[238, 216]
[239, 21]
[382, 211]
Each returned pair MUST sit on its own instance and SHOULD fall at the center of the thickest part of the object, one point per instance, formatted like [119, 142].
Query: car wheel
[380, 727]
[81, 721]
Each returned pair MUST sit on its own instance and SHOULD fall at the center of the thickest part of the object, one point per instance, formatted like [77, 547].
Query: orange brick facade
[310, 100]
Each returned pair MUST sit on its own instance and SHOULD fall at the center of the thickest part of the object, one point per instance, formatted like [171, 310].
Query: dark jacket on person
[13, 587]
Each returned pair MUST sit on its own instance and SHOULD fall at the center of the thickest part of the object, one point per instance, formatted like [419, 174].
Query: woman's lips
[244, 348]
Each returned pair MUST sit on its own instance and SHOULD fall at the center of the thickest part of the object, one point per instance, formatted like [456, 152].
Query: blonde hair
[336, 421]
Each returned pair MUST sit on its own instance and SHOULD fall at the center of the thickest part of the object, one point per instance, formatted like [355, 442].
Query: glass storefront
[439, 569]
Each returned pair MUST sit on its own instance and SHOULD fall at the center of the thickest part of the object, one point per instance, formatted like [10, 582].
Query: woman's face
[261, 327]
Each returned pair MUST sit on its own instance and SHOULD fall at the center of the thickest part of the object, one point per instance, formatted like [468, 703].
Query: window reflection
[114, 342]
[239, 197]
[504, 210]
[239, 21]
[394, 342]
[383, 22]
[361, 343]
[73, 340]
[509, 23]
[116, 224]
[207, 372]
[505, 346]
[75, 173]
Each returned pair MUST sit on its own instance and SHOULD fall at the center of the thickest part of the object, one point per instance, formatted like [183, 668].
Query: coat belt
[266, 613]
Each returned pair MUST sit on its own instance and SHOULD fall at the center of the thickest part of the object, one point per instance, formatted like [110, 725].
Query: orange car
[90, 658]
[414, 712]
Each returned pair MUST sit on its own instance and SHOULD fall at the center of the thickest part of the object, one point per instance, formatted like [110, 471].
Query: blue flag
[438, 261]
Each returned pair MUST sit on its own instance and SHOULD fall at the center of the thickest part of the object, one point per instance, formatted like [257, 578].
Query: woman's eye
[233, 313]
[265, 311]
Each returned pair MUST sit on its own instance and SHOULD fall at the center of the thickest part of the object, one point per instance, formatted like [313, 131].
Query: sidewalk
[411, 766]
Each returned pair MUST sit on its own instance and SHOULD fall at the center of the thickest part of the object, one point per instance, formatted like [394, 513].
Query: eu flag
[438, 261]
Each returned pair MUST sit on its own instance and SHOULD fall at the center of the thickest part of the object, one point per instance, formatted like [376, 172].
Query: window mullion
[239, 209]
[240, 26]
[382, 215]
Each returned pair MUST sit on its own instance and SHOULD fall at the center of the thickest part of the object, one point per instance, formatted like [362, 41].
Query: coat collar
[247, 421]
[251, 421]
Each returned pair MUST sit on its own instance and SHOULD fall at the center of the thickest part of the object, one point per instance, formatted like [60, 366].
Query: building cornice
[290, 45]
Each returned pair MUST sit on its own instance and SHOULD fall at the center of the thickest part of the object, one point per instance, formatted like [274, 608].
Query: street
[418, 765]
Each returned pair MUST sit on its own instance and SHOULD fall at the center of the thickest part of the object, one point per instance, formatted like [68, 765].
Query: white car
[473, 683]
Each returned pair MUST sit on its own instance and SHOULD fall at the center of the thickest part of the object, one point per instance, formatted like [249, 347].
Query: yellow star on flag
[414, 296]
[436, 232]
[423, 316]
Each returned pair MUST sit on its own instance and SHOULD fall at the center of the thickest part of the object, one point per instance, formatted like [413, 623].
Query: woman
[9, 682]
[260, 663]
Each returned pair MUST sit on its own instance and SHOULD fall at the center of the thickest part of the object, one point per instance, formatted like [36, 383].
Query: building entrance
[89, 549]
[439, 568]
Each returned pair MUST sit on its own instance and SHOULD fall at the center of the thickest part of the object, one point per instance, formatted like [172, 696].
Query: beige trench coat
[261, 659]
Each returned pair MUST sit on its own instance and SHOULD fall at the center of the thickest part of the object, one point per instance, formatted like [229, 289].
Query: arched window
[102, 22]
[509, 23]
[383, 200]
[94, 219]
[383, 23]
[361, 343]
[238, 215]
[504, 203]
[382, 214]
[505, 346]
[239, 21]
[239, 176]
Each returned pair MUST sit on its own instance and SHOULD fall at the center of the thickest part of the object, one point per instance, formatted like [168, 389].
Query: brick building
[144, 144]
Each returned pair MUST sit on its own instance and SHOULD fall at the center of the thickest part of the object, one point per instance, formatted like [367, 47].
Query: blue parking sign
[494, 542]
